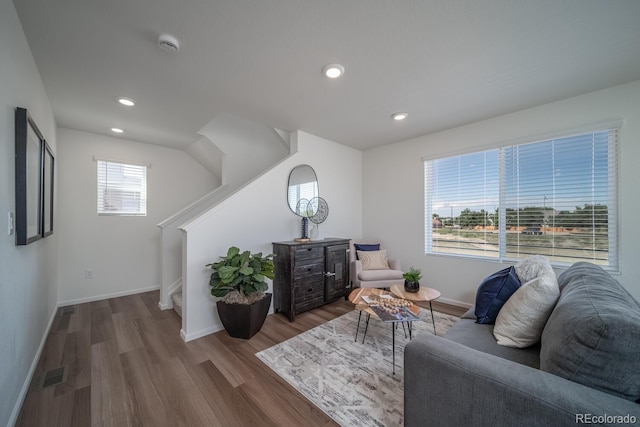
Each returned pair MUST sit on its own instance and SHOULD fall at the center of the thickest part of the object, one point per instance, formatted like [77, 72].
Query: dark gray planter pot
[242, 320]
[412, 287]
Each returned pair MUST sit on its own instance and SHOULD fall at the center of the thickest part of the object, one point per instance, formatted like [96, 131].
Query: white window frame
[127, 179]
[612, 261]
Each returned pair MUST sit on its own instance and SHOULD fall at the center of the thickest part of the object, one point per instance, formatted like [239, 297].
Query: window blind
[556, 198]
[122, 189]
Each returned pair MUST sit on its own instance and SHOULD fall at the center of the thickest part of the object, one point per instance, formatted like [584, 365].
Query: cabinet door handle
[326, 273]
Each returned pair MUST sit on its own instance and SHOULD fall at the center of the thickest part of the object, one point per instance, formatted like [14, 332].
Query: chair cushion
[522, 318]
[373, 260]
[372, 275]
[593, 334]
[493, 292]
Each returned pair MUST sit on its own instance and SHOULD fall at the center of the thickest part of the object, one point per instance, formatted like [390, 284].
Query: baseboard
[32, 370]
[201, 333]
[165, 306]
[455, 303]
[107, 296]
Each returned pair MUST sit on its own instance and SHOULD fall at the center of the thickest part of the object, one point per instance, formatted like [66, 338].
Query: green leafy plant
[413, 275]
[240, 277]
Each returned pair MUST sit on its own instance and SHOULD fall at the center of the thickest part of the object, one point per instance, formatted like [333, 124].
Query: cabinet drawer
[305, 271]
[309, 305]
[311, 254]
[309, 290]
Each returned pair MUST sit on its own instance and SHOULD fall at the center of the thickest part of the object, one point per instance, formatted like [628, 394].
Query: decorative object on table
[412, 279]
[303, 210]
[301, 188]
[321, 208]
[238, 279]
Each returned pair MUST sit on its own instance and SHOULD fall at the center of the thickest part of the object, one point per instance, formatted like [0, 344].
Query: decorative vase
[412, 287]
[244, 320]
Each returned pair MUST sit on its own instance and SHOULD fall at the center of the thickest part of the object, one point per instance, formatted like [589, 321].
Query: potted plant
[238, 279]
[412, 279]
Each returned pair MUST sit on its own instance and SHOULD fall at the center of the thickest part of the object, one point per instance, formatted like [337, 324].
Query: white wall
[394, 184]
[28, 287]
[123, 252]
[248, 147]
[258, 215]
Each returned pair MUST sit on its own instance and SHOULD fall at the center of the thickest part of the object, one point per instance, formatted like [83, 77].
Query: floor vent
[68, 310]
[54, 376]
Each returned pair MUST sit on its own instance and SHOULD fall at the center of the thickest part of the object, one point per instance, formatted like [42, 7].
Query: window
[122, 189]
[556, 198]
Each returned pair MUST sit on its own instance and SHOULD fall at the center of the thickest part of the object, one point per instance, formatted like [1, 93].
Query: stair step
[177, 302]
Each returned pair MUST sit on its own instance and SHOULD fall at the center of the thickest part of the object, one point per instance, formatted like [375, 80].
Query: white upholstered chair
[372, 272]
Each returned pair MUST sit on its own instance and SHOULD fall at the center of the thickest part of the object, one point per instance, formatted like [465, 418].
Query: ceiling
[446, 63]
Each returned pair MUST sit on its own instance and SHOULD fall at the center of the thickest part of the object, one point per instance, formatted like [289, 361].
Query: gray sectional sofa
[585, 370]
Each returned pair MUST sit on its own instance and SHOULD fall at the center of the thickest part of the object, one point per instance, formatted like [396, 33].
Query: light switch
[10, 228]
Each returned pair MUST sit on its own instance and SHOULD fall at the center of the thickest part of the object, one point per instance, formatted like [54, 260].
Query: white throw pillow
[373, 260]
[522, 318]
[532, 267]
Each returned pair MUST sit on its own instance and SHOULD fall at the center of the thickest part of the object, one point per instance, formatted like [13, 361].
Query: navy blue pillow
[366, 247]
[493, 292]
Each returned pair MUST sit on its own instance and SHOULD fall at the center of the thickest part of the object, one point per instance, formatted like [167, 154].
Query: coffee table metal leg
[433, 319]
[366, 328]
[358, 327]
[393, 346]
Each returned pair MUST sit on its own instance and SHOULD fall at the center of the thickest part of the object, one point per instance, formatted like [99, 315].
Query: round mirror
[303, 186]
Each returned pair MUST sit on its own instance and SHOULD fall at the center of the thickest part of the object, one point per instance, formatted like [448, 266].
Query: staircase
[177, 302]
[223, 149]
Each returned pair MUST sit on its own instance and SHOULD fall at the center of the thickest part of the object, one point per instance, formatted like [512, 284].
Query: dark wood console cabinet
[309, 274]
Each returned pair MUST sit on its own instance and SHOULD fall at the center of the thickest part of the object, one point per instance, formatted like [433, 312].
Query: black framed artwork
[47, 190]
[29, 147]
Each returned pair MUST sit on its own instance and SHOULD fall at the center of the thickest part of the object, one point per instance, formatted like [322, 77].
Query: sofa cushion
[522, 318]
[493, 292]
[373, 260]
[593, 334]
[480, 337]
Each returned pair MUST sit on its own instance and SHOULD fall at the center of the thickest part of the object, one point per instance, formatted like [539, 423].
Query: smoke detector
[168, 43]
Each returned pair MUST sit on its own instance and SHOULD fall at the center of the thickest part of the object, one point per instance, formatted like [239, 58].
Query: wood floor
[126, 365]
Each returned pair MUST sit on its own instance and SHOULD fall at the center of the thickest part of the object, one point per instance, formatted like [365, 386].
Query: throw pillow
[493, 292]
[522, 318]
[366, 247]
[532, 267]
[373, 260]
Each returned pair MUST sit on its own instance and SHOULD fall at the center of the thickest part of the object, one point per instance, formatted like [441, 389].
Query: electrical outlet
[89, 274]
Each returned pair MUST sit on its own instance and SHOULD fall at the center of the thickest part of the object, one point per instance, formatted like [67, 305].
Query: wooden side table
[356, 298]
[423, 294]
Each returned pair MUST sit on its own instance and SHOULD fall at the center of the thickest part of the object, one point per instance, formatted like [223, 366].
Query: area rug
[350, 381]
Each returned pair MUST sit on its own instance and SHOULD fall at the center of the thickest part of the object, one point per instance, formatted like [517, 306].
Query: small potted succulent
[239, 280]
[412, 279]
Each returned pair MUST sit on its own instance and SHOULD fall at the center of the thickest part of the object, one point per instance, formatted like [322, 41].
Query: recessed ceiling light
[126, 101]
[399, 116]
[333, 71]
[116, 130]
